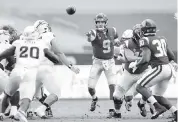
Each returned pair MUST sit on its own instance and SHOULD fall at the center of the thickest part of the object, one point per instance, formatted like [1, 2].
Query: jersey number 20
[32, 52]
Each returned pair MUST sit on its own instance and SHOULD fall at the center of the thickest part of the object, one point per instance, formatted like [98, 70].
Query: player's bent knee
[92, 83]
[119, 92]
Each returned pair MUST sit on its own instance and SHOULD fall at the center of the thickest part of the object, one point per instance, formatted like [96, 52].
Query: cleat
[111, 113]
[29, 114]
[142, 108]
[49, 112]
[159, 110]
[21, 116]
[40, 112]
[117, 115]
[128, 106]
[93, 104]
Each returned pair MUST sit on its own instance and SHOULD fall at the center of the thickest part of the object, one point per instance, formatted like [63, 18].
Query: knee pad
[119, 92]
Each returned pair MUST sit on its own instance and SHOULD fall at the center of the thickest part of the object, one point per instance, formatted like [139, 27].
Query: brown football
[71, 10]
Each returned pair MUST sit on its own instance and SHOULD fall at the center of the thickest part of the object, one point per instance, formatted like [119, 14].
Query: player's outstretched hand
[75, 69]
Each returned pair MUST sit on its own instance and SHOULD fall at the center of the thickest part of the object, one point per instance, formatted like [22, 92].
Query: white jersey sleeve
[47, 38]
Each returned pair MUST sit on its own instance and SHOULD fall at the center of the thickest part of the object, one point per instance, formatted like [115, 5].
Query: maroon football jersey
[158, 48]
[134, 46]
[103, 45]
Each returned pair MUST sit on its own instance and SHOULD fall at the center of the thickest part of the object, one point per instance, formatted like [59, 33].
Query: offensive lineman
[102, 40]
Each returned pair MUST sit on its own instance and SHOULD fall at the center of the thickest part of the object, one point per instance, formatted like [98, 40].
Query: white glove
[133, 66]
[74, 69]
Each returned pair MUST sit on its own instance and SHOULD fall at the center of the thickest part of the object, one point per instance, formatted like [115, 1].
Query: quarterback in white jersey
[29, 54]
[47, 71]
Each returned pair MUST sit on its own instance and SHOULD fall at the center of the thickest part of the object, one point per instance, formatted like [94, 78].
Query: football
[71, 10]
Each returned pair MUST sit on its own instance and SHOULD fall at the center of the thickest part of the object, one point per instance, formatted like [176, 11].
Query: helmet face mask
[42, 26]
[101, 21]
[148, 27]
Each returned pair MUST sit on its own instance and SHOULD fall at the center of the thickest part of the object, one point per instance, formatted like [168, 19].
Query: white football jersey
[46, 39]
[29, 53]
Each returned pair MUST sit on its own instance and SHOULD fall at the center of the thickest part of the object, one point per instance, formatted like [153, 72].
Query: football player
[29, 53]
[46, 73]
[129, 52]
[156, 52]
[103, 39]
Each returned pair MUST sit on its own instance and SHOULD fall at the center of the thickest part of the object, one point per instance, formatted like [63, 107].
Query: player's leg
[27, 91]
[128, 97]
[125, 82]
[158, 92]
[12, 86]
[95, 73]
[150, 78]
[111, 78]
[48, 76]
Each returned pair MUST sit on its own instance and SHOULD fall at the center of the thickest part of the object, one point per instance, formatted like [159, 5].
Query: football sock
[166, 103]
[14, 100]
[51, 99]
[152, 100]
[5, 103]
[111, 88]
[128, 98]
[92, 92]
[24, 104]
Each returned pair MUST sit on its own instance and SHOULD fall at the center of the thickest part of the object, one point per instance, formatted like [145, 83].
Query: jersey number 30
[32, 52]
[160, 47]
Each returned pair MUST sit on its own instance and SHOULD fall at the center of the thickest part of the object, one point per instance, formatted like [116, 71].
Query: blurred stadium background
[70, 30]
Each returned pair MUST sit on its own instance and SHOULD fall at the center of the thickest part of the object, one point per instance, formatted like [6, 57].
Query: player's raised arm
[56, 49]
[91, 35]
[7, 53]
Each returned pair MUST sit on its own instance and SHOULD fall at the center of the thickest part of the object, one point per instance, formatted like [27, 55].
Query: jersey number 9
[106, 46]
[26, 52]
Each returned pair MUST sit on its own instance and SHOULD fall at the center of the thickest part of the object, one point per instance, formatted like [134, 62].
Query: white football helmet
[30, 32]
[41, 26]
[128, 34]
